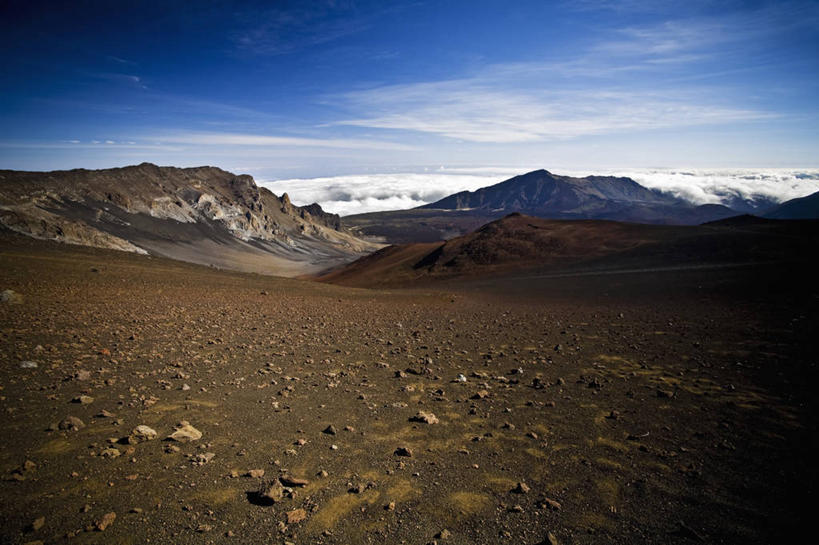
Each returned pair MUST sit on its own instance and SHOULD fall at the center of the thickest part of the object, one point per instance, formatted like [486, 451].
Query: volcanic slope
[519, 244]
[646, 408]
[539, 193]
[800, 208]
[203, 215]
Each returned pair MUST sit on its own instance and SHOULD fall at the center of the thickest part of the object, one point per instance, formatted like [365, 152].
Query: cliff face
[150, 209]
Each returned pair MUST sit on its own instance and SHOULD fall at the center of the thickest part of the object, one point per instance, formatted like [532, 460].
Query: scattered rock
[141, 433]
[106, 521]
[549, 503]
[271, 491]
[71, 423]
[204, 458]
[287, 480]
[37, 524]
[185, 433]
[10, 296]
[521, 488]
[295, 516]
[403, 451]
[426, 418]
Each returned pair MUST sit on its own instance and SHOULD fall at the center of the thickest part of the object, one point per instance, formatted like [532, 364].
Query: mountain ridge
[200, 214]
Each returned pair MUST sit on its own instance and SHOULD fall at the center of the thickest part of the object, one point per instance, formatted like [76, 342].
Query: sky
[296, 90]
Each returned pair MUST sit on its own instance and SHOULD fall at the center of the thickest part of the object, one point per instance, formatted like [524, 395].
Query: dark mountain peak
[544, 194]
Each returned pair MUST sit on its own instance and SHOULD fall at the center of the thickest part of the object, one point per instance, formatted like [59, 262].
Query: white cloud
[254, 140]
[720, 186]
[357, 194]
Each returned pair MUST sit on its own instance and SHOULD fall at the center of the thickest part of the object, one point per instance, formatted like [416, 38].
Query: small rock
[403, 451]
[71, 423]
[295, 516]
[110, 452]
[255, 473]
[271, 491]
[287, 480]
[83, 400]
[185, 433]
[550, 504]
[141, 433]
[37, 524]
[426, 418]
[521, 488]
[205, 457]
[28, 364]
[443, 534]
[10, 296]
[390, 506]
[330, 430]
[481, 394]
[106, 521]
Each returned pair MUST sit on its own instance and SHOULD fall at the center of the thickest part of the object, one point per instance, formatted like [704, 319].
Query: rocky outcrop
[148, 209]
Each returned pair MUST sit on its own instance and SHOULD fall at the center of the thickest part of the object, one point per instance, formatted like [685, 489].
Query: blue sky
[281, 89]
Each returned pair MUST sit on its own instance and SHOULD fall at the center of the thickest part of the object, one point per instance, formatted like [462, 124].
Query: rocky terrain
[148, 400]
[203, 215]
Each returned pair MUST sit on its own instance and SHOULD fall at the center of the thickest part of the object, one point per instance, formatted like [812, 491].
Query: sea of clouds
[356, 194]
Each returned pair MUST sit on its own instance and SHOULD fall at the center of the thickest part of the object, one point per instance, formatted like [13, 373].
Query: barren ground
[661, 407]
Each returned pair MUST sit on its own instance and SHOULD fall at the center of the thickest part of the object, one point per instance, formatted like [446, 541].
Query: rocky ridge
[149, 209]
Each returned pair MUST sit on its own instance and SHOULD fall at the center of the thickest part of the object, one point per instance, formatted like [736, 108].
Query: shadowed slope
[519, 243]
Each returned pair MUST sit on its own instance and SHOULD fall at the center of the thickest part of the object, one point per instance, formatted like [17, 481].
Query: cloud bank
[357, 194]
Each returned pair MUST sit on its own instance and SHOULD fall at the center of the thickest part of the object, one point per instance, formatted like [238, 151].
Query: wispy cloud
[277, 30]
[254, 140]
[620, 83]
[480, 110]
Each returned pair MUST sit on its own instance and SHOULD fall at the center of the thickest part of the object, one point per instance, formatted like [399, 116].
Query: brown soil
[666, 407]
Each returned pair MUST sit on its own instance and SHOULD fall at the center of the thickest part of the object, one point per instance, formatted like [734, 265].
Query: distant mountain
[543, 194]
[202, 215]
[796, 209]
[540, 194]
